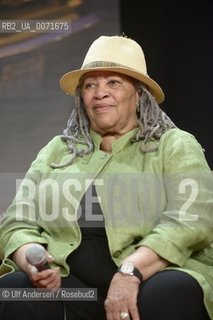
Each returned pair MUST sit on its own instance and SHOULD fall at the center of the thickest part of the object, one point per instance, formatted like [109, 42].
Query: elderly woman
[122, 202]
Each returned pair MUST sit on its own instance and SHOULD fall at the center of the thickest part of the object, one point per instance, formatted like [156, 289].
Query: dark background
[176, 37]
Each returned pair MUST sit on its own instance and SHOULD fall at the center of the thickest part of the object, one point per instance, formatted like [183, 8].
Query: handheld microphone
[36, 255]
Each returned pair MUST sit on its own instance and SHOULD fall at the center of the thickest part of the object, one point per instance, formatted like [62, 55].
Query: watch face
[127, 267]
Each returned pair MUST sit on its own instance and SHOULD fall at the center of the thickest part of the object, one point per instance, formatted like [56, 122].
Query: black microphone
[36, 255]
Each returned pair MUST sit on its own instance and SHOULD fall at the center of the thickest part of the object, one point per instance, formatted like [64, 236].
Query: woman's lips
[102, 107]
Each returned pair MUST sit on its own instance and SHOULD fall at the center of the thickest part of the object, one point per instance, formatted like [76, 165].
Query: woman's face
[110, 100]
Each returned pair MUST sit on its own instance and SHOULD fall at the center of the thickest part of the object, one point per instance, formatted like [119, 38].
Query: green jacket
[161, 199]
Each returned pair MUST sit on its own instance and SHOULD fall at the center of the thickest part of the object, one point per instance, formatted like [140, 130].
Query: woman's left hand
[122, 298]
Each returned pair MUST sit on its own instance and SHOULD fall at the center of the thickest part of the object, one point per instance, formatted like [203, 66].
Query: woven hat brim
[70, 80]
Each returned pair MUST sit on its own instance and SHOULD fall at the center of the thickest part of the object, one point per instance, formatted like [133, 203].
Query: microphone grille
[35, 254]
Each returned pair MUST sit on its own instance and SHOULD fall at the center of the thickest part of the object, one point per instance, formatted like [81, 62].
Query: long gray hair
[152, 123]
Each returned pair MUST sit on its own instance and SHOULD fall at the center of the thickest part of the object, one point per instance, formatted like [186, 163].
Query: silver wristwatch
[128, 268]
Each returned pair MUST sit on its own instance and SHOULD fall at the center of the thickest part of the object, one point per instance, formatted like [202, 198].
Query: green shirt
[161, 199]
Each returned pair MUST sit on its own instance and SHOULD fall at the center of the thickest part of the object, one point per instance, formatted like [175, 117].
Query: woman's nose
[101, 91]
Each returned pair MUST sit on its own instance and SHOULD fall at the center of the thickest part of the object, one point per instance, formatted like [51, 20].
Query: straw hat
[113, 53]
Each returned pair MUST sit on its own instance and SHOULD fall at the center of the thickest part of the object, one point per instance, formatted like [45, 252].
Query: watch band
[138, 274]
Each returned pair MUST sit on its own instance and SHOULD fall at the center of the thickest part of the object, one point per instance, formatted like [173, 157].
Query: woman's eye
[113, 82]
[89, 85]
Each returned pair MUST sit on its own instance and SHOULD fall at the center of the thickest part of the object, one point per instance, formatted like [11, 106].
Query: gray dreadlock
[152, 123]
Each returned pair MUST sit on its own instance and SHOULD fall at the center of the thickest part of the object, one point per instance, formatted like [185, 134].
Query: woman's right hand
[49, 278]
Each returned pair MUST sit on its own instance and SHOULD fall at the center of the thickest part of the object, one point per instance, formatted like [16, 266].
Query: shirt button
[117, 253]
[104, 156]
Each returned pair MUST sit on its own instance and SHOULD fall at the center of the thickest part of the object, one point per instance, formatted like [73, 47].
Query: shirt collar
[118, 144]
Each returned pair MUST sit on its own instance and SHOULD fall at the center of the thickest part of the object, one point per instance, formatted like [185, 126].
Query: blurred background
[176, 36]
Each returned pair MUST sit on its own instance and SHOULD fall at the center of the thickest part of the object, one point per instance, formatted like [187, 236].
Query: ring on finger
[124, 315]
